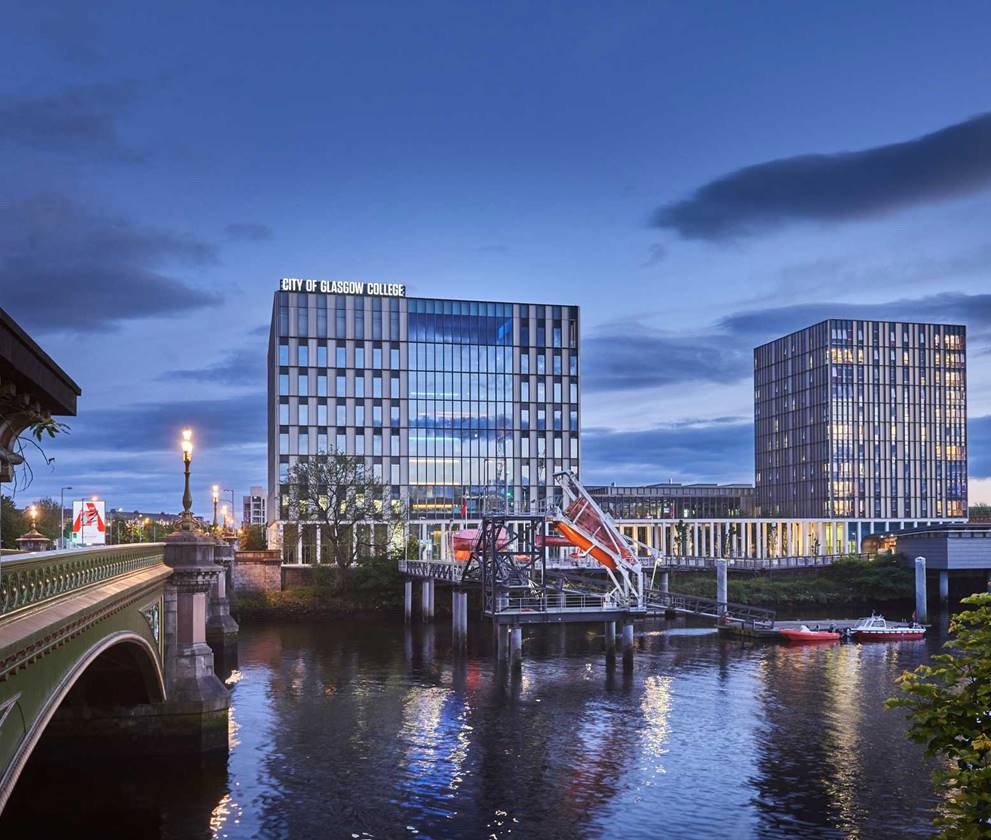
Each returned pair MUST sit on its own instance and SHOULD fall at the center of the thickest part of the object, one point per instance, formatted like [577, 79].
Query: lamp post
[223, 511]
[61, 516]
[186, 520]
[216, 497]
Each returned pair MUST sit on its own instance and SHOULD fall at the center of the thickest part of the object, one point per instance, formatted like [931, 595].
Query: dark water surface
[358, 730]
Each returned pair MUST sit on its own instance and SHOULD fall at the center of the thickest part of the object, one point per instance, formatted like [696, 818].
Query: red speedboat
[804, 634]
[876, 629]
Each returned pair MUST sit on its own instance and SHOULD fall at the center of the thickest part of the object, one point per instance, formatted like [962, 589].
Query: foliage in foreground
[849, 581]
[949, 711]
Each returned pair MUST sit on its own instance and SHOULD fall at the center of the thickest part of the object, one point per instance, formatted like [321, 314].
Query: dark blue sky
[698, 177]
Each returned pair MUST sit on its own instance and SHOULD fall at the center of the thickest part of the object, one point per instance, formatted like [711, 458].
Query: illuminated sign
[343, 287]
[89, 522]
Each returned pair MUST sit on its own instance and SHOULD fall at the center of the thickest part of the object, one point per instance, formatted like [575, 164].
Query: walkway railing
[450, 572]
[28, 579]
[565, 601]
[749, 564]
[742, 613]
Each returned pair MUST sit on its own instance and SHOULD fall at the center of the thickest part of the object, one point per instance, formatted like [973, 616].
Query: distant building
[254, 507]
[675, 501]
[863, 420]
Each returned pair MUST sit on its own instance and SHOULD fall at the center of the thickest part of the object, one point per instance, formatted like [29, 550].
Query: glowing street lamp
[33, 513]
[186, 520]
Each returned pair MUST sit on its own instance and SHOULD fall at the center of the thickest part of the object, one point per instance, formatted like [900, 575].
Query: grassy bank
[845, 583]
[373, 588]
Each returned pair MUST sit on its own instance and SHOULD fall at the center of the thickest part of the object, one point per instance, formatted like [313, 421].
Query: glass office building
[452, 403]
[863, 420]
[675, 501]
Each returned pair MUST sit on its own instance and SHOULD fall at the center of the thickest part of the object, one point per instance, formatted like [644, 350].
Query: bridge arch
[125, 652]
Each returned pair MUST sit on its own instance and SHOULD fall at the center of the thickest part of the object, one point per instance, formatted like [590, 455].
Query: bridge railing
[29, 579]
[751, 564]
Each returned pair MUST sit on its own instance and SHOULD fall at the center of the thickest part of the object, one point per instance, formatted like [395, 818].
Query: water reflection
[383, 731]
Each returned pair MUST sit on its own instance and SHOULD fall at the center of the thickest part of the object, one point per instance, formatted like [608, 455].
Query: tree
[949, 709]
[254, 538]
[340, 494]
[48, 521]
[13, 523]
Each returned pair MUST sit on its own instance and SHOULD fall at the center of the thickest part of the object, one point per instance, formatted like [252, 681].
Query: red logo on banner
[89, 516]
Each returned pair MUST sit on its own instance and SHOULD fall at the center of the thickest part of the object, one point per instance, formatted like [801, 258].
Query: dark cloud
[80, 119]
[248, 231]
[954, 161]
[239, 367]
[64, 266]
[155, 426]
[979, 446]
[632, 356]
[716, 451]
[948, 307]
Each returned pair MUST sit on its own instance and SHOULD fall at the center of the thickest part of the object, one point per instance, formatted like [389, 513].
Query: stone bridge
[109, 648]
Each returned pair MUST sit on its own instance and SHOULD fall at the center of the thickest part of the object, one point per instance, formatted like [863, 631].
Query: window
[304, 414]
[541, 391]
[283, 384]
[574, 392]
[377, 415]
[524, 363]
[341, 386]
[302, 317]
[394, 358]
[377, 357]
[303, 355]
[283, 354]
[321, 384]
[304, 442]
[557, 364]
[322, 414]
[376, 444]
[342, 414]
[359, 415]
[525, 391]
[359, 386]
[541, 364]
[283, 443]
[394, 416]
[283, 414]
[573, 365]
[304, 385]
[541, 420]
[321, 442]
[359, 444]
[359, 357]
[341, 356]
[322, 356]
[557, 392]
[342, 442]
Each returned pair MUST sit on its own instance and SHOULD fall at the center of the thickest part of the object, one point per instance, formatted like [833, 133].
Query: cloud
[721, 450]
[155, 426]
[79, 119]
[240, 367]
[248, 231]
[632, 356]
[64, 266]
[947, 307]
[655, 256]
[954, 161]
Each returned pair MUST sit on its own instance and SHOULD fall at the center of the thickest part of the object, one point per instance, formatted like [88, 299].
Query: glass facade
[452, 403]
[676, 501]
[862, 420]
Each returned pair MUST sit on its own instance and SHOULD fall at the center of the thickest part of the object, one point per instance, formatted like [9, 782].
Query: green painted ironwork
[29, 579]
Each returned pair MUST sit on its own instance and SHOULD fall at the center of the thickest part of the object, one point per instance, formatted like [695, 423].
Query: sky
[698, 177]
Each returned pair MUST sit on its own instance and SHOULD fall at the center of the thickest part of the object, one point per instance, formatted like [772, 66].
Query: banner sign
[89, 522]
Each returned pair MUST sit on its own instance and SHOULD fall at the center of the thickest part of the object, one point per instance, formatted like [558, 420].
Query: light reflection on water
[373, 731]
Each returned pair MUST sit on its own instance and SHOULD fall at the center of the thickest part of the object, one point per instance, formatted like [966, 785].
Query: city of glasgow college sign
[342, 287]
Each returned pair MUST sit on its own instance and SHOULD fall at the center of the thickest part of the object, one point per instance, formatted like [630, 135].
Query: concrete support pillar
[944, 587]
[562, 599]
[221, 628]
[721, 588]
[408, 600]
[516, 646]
[427, 599]
[192, 688]
[502, 641]
[610, 635]
[459, 614]
[662, 581]
[921, 615]
[627, 638]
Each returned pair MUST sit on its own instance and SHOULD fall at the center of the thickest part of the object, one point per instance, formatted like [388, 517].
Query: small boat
[804, 634]
[876, 629]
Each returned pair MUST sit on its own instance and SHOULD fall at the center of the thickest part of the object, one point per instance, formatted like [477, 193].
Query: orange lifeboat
[577, 538]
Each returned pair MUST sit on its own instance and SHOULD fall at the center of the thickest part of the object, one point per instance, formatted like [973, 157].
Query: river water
[364, 730]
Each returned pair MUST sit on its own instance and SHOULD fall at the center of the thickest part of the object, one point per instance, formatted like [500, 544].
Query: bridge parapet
[29, 579]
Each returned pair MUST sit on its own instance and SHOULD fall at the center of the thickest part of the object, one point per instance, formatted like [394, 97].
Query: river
[358, 730]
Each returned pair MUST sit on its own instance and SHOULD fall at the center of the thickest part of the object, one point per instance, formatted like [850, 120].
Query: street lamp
[61, 516]
[233, 515]
[186, 520]
[216, 496]
[223, 511]
[33, 513]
